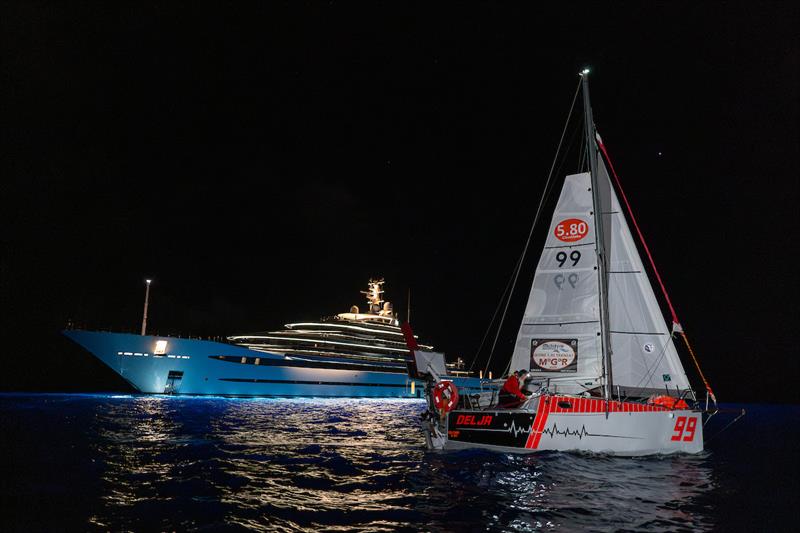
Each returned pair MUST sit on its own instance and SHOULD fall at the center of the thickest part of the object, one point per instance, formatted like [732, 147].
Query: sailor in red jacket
[510, 395]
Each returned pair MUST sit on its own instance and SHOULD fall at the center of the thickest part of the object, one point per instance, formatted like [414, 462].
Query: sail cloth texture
[563, 308]
[563, 305]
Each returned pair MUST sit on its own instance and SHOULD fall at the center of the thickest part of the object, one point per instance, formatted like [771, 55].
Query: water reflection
[255, 462]
[181, 463]
[135, 463]
[567, 491]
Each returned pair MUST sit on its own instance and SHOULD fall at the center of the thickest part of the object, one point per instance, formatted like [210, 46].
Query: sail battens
[568, 245]
[560, 323]
[624, 271]
[637, 333]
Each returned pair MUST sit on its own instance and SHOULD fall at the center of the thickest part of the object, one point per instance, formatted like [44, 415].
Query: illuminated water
[105, 462]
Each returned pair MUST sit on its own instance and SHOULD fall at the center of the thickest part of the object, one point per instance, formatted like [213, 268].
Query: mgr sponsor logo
[554, 355]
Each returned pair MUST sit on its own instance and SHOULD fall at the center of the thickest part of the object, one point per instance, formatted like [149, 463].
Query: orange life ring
[445, 396]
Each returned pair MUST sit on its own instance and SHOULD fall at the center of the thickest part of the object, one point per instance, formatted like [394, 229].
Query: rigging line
[732, 422]
[582, 151]
[488, 329]
[697, 365]
[652, 370]
[533, 226]
[656, 364]
[675, 320]
[558, 170]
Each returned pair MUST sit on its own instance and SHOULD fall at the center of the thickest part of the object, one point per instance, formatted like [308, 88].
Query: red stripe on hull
[550, 404]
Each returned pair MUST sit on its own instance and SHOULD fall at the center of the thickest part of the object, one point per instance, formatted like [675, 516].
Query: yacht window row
[324, 352]
[141, 354]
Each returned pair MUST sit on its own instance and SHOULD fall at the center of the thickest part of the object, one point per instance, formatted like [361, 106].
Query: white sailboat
[603, 370]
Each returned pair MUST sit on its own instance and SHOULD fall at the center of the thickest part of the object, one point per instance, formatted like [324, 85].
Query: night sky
[261, 163]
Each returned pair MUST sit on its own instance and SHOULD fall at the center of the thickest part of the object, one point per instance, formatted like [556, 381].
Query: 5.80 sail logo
[571, 230]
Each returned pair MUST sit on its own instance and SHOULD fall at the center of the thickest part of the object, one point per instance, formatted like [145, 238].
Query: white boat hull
[577, 424]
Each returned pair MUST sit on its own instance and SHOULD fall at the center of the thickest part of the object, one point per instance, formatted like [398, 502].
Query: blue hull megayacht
[350, 355]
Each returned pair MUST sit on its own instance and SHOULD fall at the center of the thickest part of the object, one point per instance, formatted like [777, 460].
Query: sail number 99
[561, 257]
[683, 425]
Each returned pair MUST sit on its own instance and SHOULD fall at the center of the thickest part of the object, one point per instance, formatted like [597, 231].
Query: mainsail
[560, 338]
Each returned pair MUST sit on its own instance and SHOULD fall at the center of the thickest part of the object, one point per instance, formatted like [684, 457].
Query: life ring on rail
[445, 396]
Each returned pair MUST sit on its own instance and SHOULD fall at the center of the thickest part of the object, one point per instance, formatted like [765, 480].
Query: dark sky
[260, 162]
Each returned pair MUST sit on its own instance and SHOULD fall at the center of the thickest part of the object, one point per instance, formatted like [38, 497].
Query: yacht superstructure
[353, 338]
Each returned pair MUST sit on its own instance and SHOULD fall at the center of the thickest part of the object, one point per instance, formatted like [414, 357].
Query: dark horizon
[262, 163]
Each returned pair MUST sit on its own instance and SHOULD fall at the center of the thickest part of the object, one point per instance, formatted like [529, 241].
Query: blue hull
[189, 366]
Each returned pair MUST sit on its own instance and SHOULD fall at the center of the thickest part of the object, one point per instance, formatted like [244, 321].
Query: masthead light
[584, 72]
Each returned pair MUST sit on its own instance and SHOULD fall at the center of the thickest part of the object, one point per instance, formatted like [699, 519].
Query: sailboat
[603, 371]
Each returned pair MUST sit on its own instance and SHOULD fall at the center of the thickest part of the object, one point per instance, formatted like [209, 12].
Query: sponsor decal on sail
[554, 355]
[571, 230]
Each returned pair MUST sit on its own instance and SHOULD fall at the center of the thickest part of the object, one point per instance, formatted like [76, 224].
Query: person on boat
[511, 395]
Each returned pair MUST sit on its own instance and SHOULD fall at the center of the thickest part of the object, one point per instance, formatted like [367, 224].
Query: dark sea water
[151, 463]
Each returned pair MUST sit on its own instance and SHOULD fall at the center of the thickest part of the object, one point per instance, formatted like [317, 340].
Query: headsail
[643, 354]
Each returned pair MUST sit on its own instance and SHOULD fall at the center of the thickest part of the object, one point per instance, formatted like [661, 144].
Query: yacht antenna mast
[600, 244]
[146, 302]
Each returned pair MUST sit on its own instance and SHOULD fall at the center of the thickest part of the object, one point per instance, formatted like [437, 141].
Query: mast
[602, 267]
[146, 301]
